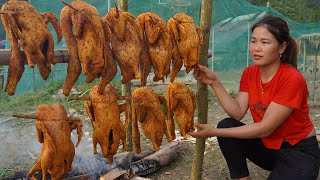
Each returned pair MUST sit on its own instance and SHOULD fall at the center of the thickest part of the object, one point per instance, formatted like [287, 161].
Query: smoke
[19, 143]
[85, 161]
[20, 149]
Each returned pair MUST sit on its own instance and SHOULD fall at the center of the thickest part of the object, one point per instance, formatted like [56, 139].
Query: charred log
[149, 164]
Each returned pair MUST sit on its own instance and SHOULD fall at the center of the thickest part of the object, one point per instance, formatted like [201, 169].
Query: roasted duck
[54, 132]
[186, 39]
[27, 28]
[145, 61]
[181, 107]
[147, 110]
[104, 113]
[125, 43]
[158, 43]
[87, 42]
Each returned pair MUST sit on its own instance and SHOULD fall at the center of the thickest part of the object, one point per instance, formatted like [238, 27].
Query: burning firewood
[149, 164]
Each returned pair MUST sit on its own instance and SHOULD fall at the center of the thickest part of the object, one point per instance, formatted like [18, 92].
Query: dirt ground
[19, 147]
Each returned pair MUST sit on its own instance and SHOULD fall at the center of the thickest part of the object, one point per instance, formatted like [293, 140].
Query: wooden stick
[117, 10]
[33, 116]
[87, 98]
[7, 12]
[124, 97]
[78, 98]
[69, 5]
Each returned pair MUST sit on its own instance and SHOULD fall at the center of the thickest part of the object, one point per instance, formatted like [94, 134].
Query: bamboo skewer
[117, 10]
[75, 9]
[33, 116]
[7, 12]
[69, 5]
[87, 98]
[78, 98]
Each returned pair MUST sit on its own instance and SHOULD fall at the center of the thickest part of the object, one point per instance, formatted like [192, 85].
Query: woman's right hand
[203, 131]
[204, 75]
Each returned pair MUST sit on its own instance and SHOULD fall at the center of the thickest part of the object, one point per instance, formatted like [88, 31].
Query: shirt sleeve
[291, 91]
[244, 86]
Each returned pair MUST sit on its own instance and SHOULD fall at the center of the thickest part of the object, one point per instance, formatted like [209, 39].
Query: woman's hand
[203, 130]
[204, 75]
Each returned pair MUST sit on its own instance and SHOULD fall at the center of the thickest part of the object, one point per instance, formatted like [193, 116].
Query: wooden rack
[60, 56]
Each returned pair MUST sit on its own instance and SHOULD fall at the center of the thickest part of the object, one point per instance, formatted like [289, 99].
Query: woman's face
[264, 47]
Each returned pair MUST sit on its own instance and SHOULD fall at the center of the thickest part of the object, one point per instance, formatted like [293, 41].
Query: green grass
[30, 100]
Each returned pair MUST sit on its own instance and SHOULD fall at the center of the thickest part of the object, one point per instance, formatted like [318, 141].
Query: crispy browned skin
[104, 113]
[181, 105]
[144, 64]
[88, 43]
[54, 132]
[187, 38]
[51, 17]
[16, 63]
[145, 61]
[88, 30]
[159, 43]
[125, 42]
[33, 33]
[110, 62]
[30, 28]
[74, 65]
[147, 110]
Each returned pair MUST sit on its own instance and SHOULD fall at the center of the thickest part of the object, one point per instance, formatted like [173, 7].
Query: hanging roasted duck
[125, 43]
[181, 106]
[145, 61]
[158, 42]
[146, 109]
[27, 28]
[87, 43]
[104, 113]
[186, 40]
[54, 132]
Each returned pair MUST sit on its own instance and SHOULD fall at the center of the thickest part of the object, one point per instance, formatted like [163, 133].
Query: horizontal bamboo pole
[60, 56]
[87, 98]
[33, 116]
[78, 99]
[7, 12]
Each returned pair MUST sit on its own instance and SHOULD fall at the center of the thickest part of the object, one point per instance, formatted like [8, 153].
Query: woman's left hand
[203, 130]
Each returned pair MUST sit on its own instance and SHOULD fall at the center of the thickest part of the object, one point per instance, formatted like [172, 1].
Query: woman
[282, 137]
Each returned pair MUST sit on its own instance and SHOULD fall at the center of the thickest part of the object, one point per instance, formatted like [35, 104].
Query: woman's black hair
[280, 30]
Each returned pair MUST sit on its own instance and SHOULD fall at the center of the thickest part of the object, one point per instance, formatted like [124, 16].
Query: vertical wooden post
[1, 77]
[33, 80]
[304, 56]
[126, 88]
[202, 89]
[315, 75]
[248, 42]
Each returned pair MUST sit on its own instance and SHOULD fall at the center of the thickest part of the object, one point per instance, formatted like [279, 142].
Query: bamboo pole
[304, 56]
[60, 56]
[1, 77]
[126, 88]
[33, 116]
[7, 12]
[79, 99]
[315, 75]
[202, 89]
[87, 98]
